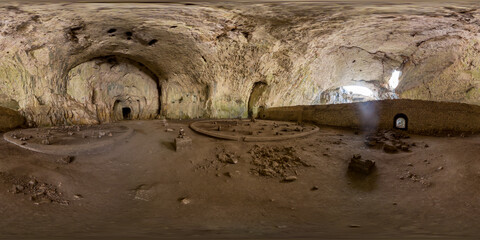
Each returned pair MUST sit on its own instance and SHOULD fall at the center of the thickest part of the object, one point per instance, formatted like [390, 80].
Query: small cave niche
[257, 91]
[153, 41]
[129, 35]
[126, 113]
[400, 121]
[111, 30]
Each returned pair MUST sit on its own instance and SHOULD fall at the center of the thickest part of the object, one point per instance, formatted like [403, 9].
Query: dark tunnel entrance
[127, 113]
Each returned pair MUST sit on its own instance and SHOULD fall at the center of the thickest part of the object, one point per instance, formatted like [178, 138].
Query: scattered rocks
[227, 157]
[290, 179]
[101, 134]
[390, 140]
[169, 130]
[66, 159]
[361, 166]
[405, 148]
[389, 148]
[143, 192]
[184, 200]
[39, 192]
[275, 161]
[314, 188]
[440, 168]
[45, 142]
[415, 178]
[77, 197]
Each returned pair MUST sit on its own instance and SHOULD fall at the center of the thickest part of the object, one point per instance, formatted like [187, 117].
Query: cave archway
[257, 90]
[400, 121]
[110, 85]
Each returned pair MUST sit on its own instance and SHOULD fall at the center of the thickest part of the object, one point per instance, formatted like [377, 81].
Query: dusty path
[135, 189]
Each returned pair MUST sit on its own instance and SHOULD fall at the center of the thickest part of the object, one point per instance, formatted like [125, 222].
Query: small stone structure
[182, 141]
[361, 166]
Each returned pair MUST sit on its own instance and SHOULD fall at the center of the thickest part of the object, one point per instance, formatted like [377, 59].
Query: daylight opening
[400, 121]
[358, 90]
[393, 82]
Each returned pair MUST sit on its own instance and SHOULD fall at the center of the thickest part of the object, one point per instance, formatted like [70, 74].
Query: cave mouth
[257, 91]
[127, 113]
[400, 121]
[113, 84]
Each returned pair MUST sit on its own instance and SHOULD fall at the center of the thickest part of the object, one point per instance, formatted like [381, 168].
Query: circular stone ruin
[253, 131]
[69, 140]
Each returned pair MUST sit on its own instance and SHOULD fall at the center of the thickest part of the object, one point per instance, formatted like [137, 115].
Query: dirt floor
[297, 188]
[261, 128]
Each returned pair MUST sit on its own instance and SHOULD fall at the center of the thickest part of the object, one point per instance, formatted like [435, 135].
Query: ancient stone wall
[424, 117]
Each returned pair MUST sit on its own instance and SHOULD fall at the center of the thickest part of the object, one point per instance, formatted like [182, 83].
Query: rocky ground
[67, 135]
[261, 128]
[299, 188]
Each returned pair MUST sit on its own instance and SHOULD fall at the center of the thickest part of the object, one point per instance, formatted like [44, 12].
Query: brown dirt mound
[39, 192]
[275, 161]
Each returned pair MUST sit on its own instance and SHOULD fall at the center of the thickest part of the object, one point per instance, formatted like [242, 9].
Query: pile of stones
[39, 192]
[390, 141]
[276, 162]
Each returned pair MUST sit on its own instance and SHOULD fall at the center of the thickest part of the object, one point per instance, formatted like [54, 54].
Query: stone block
[361, 166]
[182, 143]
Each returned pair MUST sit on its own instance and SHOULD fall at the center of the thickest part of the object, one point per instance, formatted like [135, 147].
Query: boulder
[10, 119]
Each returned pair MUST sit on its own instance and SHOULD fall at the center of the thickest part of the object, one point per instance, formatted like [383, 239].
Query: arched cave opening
[257, 90]
[126, 113]
[124, 88]
[400, 121]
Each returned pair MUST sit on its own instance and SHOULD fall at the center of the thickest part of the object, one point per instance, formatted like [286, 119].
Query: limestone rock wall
[10, 119]
[205, 58]
[106, 86]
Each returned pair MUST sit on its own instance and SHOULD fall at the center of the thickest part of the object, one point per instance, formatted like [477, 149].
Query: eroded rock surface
[10, 119]
[204, 59]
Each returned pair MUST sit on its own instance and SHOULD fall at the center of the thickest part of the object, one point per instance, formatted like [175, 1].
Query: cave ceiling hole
[394, 80]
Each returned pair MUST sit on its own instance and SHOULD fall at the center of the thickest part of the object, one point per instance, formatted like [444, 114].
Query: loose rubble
[275, 161]
[39, 192]
[66, 159]
[390, 141]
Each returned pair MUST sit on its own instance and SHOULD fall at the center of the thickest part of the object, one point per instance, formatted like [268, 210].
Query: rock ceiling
[206, 57]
